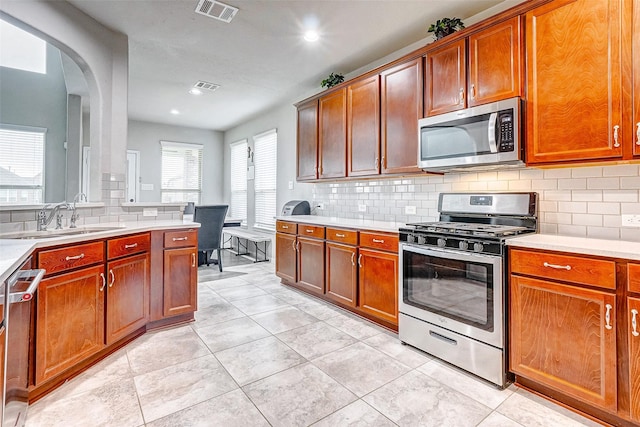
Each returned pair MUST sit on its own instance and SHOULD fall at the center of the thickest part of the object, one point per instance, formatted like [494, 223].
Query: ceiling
[260, 59]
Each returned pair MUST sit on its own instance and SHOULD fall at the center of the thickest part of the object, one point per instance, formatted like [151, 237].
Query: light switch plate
[150, 212]
[290, 185]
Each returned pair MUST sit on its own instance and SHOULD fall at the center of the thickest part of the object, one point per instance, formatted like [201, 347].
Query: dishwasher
[15, 332]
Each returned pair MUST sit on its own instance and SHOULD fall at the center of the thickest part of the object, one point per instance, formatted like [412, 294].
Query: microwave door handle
[493, 147]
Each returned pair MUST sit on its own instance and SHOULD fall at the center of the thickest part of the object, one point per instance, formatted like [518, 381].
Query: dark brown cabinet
[363, 127]
[286, 256]
[180, 281]
[332, 135]
[445, 78]
[635, 72]
[307, 148]
[633, 305]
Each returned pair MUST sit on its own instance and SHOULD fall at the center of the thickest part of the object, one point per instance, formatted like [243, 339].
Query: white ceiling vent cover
[206, 86]
[215, 9]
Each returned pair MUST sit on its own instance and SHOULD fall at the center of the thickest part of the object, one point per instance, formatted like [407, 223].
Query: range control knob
[442, 242]
[411, 238]
[478, 247]
[422, 240]
[463, 244]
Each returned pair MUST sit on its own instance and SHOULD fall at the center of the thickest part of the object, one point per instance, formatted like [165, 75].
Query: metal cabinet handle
[113, 278]
[461, 96]
[340, 235]
[383, 163]
[375, 162]
[309, 231]
[607, 317]
[293, 245]
[557, 267]
[285, 227]
[378, 240]
[131, 246]
[193, 260]
[634, 323]
[104, 282]
[70, 258]
[615, 136]
[178, 239]
[638, 134]
[360, 260]
[298, 246]
[473, 91]
[353, 259]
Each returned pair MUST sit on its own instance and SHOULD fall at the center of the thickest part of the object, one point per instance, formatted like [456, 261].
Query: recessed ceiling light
[311, 36]
[195, 91]
[174, 111]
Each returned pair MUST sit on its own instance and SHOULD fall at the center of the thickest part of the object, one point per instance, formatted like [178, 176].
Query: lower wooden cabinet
[311, 264]
[342, 273]
[70, 320]
[633, 305]
[180, 281]
[378, 284]
[286, 256]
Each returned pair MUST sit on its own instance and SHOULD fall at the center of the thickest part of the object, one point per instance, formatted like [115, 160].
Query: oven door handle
[437, 251]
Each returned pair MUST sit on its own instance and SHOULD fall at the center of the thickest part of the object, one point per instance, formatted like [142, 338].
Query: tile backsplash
[585, 202]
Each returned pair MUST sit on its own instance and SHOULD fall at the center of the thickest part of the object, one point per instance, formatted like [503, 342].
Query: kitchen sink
[48, 234]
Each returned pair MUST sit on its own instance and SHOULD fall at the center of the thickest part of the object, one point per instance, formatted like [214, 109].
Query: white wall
[145, 137]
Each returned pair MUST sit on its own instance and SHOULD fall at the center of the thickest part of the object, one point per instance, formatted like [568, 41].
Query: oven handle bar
[24, 275]
[459, 255]
[443, 338]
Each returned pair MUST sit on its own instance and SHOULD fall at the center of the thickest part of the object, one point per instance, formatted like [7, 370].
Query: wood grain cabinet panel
[332, 135]
[634, 356]
[127, 296]
[363, 127]
[180, 281]
[635, 127]
[307, 146]
[307, 230]
[286, 257]
[574, 81]
[311, 264]
[341, 235]
[445, 78]
[633, 275]
[70, 321]
[380, 241]
[401, 107]
[128, 245]
[70, 257]
[342, 273]
[286, 227]
[564, 337]
[378, 284]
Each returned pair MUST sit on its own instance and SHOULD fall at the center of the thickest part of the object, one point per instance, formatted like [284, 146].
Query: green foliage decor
[445, 26]
[332, 80]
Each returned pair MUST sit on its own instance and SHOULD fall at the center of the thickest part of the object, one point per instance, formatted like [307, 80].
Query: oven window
[459, 290]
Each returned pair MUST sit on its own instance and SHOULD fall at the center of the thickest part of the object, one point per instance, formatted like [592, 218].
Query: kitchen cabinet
[180, 290]
[493, 71]
[286, 256]
[363, 127]
[332, 135]
[635, 118]
[575, 82]
[341, 269]
[633, 305]
[307, 148]
[400, 108]
[310, 248]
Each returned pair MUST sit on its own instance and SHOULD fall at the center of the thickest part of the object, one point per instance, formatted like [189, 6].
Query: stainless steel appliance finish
[20, 289]
[486, 136]
[452, 279]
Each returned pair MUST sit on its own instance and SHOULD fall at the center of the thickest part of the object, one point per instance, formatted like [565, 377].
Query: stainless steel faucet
[44, 220]
[74, 215]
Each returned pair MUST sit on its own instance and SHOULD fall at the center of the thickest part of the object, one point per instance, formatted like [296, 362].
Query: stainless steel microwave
[482, 137]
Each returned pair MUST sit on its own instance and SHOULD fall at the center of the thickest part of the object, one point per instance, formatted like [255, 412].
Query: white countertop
[332, 221]
[579, 245]
[13, 252]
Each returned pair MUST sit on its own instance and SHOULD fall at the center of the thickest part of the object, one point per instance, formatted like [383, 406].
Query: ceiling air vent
[206, 86]
[216, 10]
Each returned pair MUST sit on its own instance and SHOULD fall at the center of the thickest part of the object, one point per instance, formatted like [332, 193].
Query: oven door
[458, 291]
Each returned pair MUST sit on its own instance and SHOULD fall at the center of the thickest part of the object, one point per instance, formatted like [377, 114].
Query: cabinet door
[634, 356]
[363, 127]
[70, 320]
[445, 79]
[311, 264]
[574, 87]
[180, 281]
[565, 337]
[127, 296]
[332, 135]
[307, 154]
[342, 284]
[400, 107]
[286, 256]
[636, 78]
[494, 63]
[378, 284]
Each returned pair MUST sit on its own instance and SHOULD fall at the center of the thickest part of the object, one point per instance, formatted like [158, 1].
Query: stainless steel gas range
[453, 279]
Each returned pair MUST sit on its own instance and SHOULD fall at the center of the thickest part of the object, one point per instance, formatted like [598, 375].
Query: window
[21, 50]
[181, 172]
[239, 180]
[265, 158]
[22, 164]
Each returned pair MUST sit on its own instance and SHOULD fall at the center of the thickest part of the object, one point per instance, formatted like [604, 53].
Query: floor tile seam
[351, 403]
[276, 373]
[548, 403]
[174, 364]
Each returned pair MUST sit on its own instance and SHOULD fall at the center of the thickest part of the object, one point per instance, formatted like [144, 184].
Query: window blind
[265, 158]
[239, 180]
[22, 164]
[181, 172]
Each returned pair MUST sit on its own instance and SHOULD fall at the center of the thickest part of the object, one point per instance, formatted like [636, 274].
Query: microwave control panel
[505, 136]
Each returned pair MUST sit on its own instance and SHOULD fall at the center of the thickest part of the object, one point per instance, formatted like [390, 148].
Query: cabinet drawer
[62, 259]
[349, 237]
[286, 227]
[311, 231]
[180, 239]
[568, 268]
[128, 245]
[633, 274]
[382, 241]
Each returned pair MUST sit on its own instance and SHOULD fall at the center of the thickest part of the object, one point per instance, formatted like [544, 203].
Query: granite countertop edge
[579, 245]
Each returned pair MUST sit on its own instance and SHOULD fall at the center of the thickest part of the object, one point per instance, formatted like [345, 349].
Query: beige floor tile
[316, 339]
[391, 346]
[357, 414]
[283, 319]
[230, 334]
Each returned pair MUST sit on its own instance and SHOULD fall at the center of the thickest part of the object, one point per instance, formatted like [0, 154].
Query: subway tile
[573, 207]
[458, 186]
[611, 220]
[586, 195]
[478, 186]
[586, 172]
[587, 219]
[509, 175]
[544, 184]
[21, 216]
[603, 233]
[629, 182]
[557, 173]
[572, 184]
[620, 170]
[557, 195]
[521, 185]
[557, 218]
[498, 186]
[548, 228]
[603, 208]
[547, 206]
[630, 208]
[621, 195]
[572, 230]
[612, 183]
[469, 177]
[443, 187]
[531, 173]
[631, 234]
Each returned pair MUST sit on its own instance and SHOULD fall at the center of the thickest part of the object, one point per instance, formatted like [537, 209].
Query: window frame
[261, 223]
[42, 187]
[164, 190]
[234, 145]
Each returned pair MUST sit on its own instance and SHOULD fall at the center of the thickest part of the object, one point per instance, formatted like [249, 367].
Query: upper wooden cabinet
[575, 82]
[332, 135]
[307, 153]
[493, 72]
[363, 127]
[635, 126]
[401, 107]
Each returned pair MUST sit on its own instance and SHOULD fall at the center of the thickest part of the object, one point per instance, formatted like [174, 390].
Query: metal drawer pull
[461, 96]
[378, 240]
[70, 258]
[615, 136]
[104, 282]
[284, 226]
[360, 260]
[473, 91]
[293, 245]
[634, 323]
[193, 260]
[638, 134]
[113, 278]
[607, 317]
[557, 267]
[443, 338]
[133, 245]
[309, 231]
[178, 239]
[298, 246]
[353, 259]
[340, 235]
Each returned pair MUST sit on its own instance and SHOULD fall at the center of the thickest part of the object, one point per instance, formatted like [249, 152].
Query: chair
[211, 219]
